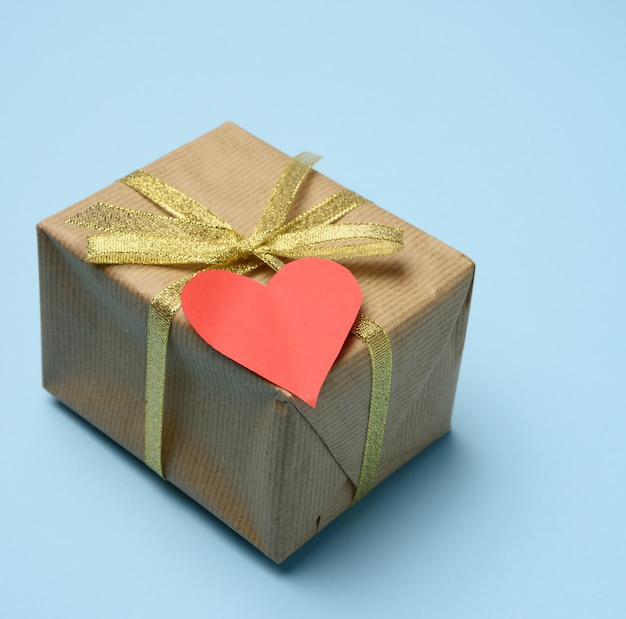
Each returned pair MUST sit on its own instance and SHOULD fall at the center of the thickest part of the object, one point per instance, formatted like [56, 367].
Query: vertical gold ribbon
[194, 234]
[160, 316]
[378, 346]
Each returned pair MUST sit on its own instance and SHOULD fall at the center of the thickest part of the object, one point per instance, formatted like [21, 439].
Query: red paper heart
[290, 331]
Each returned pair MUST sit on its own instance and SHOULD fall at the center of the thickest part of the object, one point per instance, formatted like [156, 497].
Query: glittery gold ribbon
[193, 234]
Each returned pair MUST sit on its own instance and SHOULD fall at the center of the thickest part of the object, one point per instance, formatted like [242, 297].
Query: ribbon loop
[171, 200]
[326, 212]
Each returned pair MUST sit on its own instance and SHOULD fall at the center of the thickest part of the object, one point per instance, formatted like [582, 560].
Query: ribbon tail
[283, 196]
[379, 348]
[160, 316]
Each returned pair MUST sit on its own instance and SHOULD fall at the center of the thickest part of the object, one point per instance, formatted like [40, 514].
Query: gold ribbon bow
[193, 234]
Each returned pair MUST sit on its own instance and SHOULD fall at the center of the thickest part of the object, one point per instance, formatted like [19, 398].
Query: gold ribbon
[193, 234]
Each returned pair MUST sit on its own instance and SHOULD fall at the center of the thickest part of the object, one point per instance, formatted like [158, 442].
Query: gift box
[270, 465]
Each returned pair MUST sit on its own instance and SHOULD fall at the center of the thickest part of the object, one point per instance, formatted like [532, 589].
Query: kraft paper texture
[267, 464]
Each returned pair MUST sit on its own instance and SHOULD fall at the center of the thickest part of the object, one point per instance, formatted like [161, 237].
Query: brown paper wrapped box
[267, 464]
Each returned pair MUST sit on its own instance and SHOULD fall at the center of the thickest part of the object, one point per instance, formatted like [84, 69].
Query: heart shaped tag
[289, 332]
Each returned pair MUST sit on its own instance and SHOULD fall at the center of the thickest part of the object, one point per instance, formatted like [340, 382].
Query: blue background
[497, 127]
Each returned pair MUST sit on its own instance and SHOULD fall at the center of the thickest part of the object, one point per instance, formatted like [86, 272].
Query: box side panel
[430, 409]
[418, 345]
[93, 343]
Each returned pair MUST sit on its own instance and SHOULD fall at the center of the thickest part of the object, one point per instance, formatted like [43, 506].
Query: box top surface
[233, 173]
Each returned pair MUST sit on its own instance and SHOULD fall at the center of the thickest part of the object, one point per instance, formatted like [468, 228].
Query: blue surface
[497, 127]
